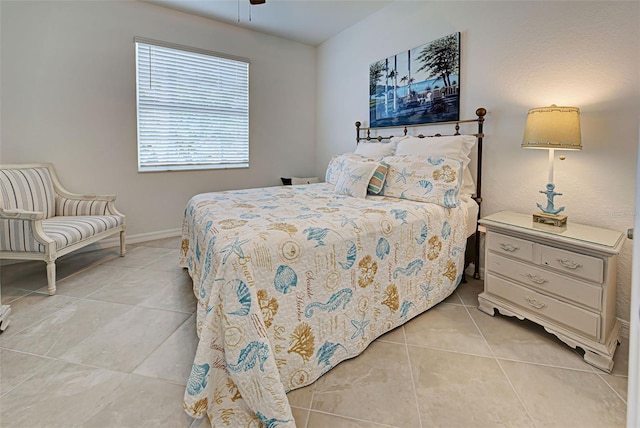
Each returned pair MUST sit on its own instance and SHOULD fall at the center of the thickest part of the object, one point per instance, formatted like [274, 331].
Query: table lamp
[552, 128]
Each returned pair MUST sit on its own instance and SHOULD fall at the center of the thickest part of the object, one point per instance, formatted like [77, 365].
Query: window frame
[183, 165]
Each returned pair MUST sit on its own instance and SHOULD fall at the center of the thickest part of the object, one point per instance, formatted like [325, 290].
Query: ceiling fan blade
[257, 1]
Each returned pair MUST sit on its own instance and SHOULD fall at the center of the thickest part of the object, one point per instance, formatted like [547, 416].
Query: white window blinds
[193, 109]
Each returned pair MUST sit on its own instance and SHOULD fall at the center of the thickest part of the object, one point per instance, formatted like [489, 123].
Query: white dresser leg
[485, 306]
[602, 362]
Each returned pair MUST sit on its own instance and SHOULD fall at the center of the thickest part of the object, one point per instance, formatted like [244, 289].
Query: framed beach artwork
[419, 85]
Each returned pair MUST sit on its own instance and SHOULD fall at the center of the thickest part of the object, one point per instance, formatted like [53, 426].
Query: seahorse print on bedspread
[207, 266]
[342, 297]
[413, 267]
[255, 352]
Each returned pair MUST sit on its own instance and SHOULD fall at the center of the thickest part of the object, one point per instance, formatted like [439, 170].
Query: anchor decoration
[551, 193]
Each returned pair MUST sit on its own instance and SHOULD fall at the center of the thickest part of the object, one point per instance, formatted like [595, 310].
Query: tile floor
[119, 329]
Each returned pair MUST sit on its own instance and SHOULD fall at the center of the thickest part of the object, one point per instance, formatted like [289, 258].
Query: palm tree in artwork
[409, 81]
[386, 87]
[441, 58]
[376, 71]
[393, 75]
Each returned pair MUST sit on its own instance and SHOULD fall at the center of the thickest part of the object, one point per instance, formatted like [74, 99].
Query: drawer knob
[569, 264]
[508, 247]
[534, 303]
[535, 278]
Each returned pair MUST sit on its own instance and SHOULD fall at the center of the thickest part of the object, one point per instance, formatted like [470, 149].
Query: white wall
[515, 56]
[68, 96]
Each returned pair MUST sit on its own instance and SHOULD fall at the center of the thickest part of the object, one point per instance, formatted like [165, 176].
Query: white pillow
[450, 146]
[354, 178]
[424, 178]
[468, 188]
[375, 150]
[304, 180]
[336, 164]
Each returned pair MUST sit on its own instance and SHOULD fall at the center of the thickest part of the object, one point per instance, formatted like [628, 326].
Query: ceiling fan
[251, 2]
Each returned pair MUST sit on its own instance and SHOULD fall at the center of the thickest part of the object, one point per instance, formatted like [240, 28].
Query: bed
[292, 280]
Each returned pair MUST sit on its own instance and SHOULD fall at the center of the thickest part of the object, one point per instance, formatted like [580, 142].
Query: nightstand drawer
[547, 282]
[553, 310]
[575, 264]
[512, 247]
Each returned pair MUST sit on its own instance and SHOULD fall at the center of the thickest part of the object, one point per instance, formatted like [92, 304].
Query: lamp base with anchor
[550, 214]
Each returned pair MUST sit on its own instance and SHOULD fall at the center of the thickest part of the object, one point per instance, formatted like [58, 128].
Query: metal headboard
[480, 113]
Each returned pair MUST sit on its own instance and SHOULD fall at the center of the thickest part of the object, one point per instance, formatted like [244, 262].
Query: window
[193, 108]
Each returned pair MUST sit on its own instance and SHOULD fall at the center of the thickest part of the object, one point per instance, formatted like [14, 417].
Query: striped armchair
[40, 220]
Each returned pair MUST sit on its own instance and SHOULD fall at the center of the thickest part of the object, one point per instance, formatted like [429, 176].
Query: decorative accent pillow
[375, 150]
[448, 146]
[336, 164]
[354, 178]
[421, 178]
[378, 177]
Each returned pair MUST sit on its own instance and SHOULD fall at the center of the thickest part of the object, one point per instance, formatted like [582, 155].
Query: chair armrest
[33, 230]
[76, 197]
[73, 204]
[85, 205]
[17, 214]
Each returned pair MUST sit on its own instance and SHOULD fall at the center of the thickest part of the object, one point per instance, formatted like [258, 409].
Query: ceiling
[305, 21]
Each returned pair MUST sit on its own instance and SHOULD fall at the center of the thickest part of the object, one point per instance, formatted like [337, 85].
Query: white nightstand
[561, 278]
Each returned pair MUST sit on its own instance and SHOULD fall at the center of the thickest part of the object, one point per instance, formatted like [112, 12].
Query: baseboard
[624, 328]
[136, 239]
[115, 242]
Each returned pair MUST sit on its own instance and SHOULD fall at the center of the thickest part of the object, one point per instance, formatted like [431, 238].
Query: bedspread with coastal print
[292, 280]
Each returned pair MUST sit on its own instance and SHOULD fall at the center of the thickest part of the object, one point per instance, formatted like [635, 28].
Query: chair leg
[123, 248]
[51, 277]
[5, 311]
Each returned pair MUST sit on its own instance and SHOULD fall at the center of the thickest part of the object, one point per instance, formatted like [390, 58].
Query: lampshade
[553, 128]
